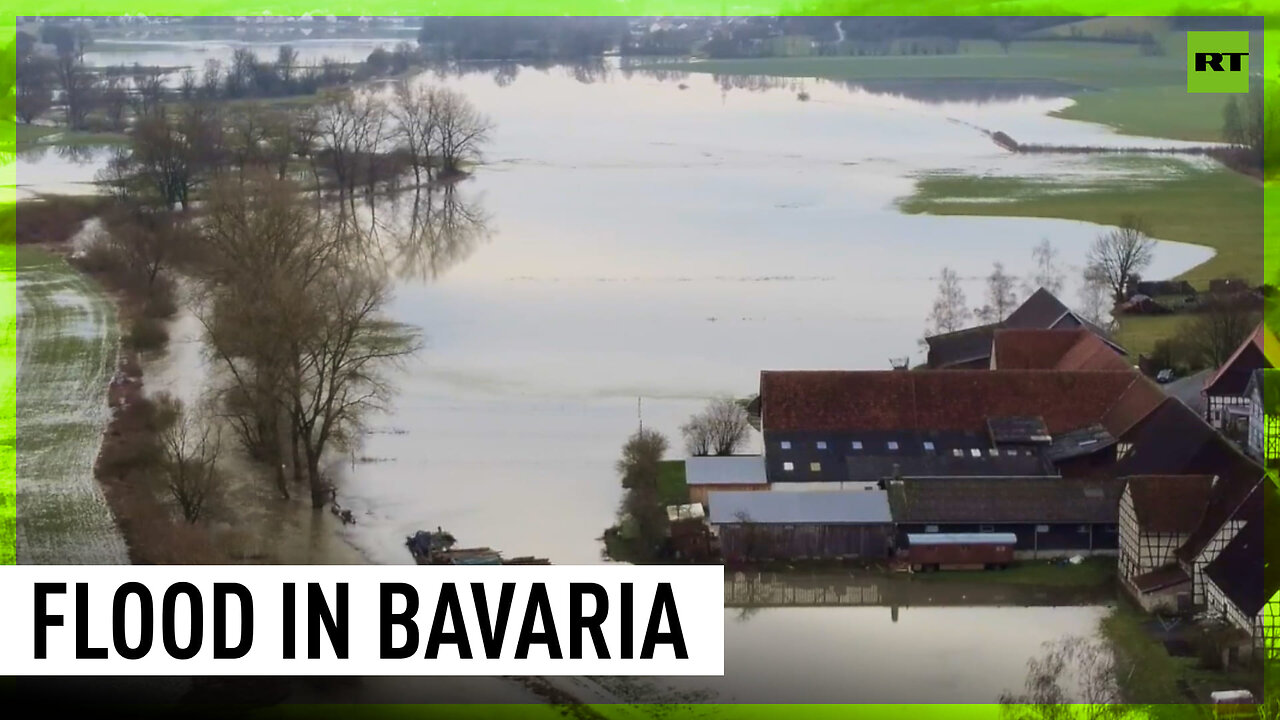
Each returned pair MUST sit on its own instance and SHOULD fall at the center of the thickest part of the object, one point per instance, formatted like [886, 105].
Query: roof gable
[1169, 503]
[1233, 376]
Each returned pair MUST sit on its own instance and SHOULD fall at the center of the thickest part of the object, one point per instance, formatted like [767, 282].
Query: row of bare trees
[1115, 260]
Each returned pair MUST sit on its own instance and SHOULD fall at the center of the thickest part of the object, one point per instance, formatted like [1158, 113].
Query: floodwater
[630, 248]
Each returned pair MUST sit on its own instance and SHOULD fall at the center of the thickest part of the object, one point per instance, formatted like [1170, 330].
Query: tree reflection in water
[420, 233]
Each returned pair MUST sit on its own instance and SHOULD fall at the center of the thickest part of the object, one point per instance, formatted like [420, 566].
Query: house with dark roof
[1050, 517]
[1226, 389]
[1239, 580]
[1158, 513]
[868, 426]
[971, 348]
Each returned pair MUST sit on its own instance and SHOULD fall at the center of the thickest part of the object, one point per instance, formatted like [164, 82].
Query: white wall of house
[1141, 552]
[1210, 552]
[1257, 427]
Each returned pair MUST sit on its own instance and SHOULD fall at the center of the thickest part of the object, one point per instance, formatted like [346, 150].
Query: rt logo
[1218, 62]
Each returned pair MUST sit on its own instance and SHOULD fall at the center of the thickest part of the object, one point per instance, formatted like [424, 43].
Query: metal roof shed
[726, 470]
[921, 539]
[852, 507]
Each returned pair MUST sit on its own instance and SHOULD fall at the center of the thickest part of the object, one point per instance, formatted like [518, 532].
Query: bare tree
[350, 127]
[190, 452]
[415, 112]
[78, 87]
[286, 62]
[1093, 295]
[1121, 253]
[1218, 329]
[342, 347]
[720, 429]
[950, 310]
[462, 130]
[1001, 299]
[1074, 678]
[1048, 273]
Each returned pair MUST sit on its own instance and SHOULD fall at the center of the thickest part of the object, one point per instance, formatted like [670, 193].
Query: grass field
[67, 341]
[1216, 208]
[1119, 86]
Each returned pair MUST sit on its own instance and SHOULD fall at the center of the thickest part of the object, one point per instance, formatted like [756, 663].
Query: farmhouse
[1225, 391]
[971, 348]
[853, 524]
[1048, 517]
[1158, 513]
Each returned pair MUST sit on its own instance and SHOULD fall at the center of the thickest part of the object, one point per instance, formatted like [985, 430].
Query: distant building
[971, 348]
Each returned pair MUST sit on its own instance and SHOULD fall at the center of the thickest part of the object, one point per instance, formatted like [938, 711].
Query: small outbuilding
[733, 473]
[781, 525]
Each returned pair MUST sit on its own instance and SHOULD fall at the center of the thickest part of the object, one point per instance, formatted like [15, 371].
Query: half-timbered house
[1158, 513]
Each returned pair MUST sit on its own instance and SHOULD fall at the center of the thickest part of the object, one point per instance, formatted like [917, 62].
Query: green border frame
[1269, 10]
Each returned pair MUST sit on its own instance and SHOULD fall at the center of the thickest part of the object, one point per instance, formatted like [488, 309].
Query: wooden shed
[781, 525]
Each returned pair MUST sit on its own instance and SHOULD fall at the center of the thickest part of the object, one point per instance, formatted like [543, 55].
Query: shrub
[147, 334]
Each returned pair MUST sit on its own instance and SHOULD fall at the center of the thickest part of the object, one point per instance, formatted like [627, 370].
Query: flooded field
[66, 357]
[629, 248]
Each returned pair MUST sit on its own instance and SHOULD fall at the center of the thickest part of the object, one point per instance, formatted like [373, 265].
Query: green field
[67, 341]
[1213, 207]
[1118, 86]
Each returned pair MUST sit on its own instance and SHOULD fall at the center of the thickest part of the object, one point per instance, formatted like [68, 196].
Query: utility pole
[640, 412]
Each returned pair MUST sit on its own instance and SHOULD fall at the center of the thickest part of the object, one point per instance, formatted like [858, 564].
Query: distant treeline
[519, 38]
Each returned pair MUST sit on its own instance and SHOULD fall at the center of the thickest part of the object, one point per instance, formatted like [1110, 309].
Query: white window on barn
[931, 528]
[822, 444]
[788, 466]
[1042, 528]
[856, 444]
[975, 452]
[994, 452]
[957, 452]
[1011, 453]
[928, 445]
[893, 444]
[815, 467]
[1123, 449]
[1082, 529]
[785, 444]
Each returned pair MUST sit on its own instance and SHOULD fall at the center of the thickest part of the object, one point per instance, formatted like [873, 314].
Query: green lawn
[1149, 674]
[1090, 573]
[1216, 208]
[672, 489]
[1140, 333]
[1119, 86]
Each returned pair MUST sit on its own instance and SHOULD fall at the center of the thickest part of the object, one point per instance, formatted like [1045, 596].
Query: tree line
[105, 98]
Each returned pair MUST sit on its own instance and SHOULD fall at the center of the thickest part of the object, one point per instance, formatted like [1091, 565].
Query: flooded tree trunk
[319, 492]
[294, 441]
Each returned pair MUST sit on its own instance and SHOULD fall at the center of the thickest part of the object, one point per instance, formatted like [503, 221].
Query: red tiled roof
[1135, 403]
[1033, 349]
[1069, 349]
[959, 400]
[1170, 503]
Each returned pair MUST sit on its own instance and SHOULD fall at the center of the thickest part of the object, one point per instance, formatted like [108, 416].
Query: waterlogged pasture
[67, 341]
